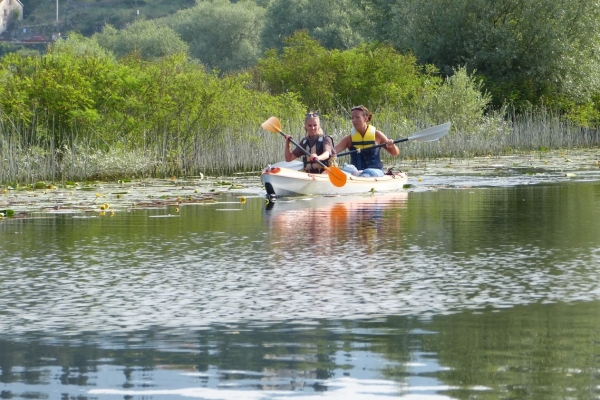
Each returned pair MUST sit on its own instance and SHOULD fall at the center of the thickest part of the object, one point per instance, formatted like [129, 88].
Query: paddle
[336, 176]
[426, 135]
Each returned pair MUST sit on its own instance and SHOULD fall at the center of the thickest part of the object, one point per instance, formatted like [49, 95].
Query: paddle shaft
[305, 151]
[345, 153]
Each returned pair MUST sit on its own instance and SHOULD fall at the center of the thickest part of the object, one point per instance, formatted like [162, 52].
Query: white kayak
[285, 182]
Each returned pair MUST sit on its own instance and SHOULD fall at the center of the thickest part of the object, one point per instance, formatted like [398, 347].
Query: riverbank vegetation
[186, 94]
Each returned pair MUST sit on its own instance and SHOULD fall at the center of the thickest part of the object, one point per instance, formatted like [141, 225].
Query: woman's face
[359, 120]
[312, 126]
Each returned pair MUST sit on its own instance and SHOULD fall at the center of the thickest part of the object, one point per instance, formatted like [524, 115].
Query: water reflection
[358, 222]
[535, 351]
[356, 257]
[459, 293]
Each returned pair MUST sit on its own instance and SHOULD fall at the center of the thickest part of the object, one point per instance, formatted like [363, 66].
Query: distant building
[6, 9]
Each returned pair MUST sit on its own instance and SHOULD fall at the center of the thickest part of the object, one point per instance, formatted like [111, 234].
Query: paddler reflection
[362, 220]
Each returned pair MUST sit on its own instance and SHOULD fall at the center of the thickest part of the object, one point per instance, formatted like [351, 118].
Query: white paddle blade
[296, 165]
[433, 133]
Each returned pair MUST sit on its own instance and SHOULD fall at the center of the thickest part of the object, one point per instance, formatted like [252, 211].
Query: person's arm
[323, 156]
[390, 146]
[289, 155]
[327, 149]
[343, 144]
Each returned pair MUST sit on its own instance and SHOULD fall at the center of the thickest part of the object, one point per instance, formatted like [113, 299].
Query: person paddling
[363, 136]
[319, 145]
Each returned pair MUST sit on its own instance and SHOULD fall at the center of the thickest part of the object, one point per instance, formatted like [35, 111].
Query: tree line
[524, 51]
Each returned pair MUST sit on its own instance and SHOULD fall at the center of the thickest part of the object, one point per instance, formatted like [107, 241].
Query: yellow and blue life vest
[365, 157]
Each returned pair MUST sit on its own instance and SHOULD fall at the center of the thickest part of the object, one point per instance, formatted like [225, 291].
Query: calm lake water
[474, 291]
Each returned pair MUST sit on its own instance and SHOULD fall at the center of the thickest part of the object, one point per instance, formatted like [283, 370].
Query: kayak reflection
[341, 218]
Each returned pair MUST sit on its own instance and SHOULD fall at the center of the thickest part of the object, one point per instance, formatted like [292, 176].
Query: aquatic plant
[497, 133]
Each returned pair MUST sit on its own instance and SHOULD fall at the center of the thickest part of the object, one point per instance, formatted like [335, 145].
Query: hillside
[87, 16]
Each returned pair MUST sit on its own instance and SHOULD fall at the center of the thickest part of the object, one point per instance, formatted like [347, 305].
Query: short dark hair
[365, 111]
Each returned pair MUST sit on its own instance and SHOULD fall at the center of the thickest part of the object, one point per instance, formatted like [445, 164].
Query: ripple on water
[185, 291]
[354, 268]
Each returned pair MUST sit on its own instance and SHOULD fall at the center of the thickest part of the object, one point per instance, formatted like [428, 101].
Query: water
[476, 291]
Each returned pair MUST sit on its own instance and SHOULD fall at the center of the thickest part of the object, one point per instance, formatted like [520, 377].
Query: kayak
[285, 182]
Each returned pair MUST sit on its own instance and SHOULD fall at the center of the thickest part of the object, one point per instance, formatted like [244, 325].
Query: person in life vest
[363, 136]
[319, 145]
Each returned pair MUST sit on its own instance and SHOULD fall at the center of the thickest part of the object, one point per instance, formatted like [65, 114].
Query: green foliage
[376, 74]
[324, 79]
[460, 100]
[98, 18]
[539, 52]
[148, 38]
[333, 23]
[221, 34]
[6, 48]
[526, 49]
[78, 45]
[584, 114]
[80, 93]
[305, 68]
[57, 90]
[138, 90]
[90, 16]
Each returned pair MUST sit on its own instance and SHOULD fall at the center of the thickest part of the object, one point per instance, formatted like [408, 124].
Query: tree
[80, 92]
[526, 50]
[150, 39]
[222, 35]
[61, 89]
[371, 74]
[334, 23]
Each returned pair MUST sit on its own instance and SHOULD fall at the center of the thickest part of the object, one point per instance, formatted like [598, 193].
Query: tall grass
[24, 159]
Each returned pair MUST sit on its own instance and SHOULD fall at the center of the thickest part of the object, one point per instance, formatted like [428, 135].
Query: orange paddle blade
[272, 125]
[336, 176]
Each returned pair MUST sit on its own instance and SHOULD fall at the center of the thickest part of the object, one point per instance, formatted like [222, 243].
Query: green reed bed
[543, 130]
[249, 148]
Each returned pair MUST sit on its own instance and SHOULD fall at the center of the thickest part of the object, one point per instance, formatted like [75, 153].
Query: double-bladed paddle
[426, 135]
[336, 176]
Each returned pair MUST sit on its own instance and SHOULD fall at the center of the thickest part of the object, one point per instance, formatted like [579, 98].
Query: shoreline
[105, 198]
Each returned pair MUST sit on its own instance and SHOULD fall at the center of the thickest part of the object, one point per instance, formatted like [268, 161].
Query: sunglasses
[312, 115]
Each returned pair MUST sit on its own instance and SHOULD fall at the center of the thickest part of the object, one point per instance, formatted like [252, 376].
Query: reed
[28, 155]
